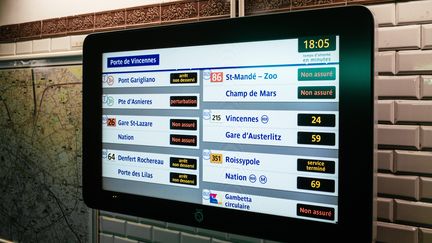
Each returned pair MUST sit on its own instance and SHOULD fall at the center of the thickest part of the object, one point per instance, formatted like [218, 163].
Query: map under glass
[41, 155]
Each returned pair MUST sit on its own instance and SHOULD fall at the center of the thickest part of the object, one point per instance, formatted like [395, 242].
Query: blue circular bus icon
[206, 74]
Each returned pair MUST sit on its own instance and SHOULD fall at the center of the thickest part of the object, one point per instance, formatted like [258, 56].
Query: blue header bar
[132, 61]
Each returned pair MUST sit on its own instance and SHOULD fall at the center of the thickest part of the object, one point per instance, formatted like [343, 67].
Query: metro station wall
[404, 88]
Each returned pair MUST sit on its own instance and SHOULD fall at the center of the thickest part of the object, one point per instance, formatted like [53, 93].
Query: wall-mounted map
[40, 155]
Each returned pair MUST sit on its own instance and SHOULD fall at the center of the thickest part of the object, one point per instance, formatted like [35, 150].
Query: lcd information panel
[241, 118]
[237, 125]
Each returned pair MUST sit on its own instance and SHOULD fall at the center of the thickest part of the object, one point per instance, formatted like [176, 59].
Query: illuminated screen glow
[249, 126]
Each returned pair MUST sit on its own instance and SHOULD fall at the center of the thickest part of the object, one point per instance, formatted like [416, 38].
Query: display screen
[251, 126]
[232, 124]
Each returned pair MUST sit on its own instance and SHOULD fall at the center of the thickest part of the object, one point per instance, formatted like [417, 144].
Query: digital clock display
[317, 43]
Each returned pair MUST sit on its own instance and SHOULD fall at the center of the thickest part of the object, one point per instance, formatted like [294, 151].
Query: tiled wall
[39, 46]
[188, 10]
[404, 87]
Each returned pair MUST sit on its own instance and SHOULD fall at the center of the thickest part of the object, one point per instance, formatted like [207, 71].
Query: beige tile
[425, 235]
[399, 86]
[386, 111]
[413, 161]
[106, 238]
[399, 37]
[385, 160]
[384, 14]
[414, 61]
[385, 209]
[426, 36]
[426, 86]
[406, 135]
[77, 41]
[118, 239]
[181, 227]
[413, 212]
[386, 62]
[185, 237]
[212, 233]
[60, 44]
[7, 49]
[413, 12]
[112, 225]
[24, 47]
[426, 136]
[399, 186]
[215, 240]
[413, 111]
[165, 235]
[426, 188]
[396, 233]
[43, 45]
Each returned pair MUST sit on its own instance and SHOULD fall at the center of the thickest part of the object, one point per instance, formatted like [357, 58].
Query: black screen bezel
[355, 27]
